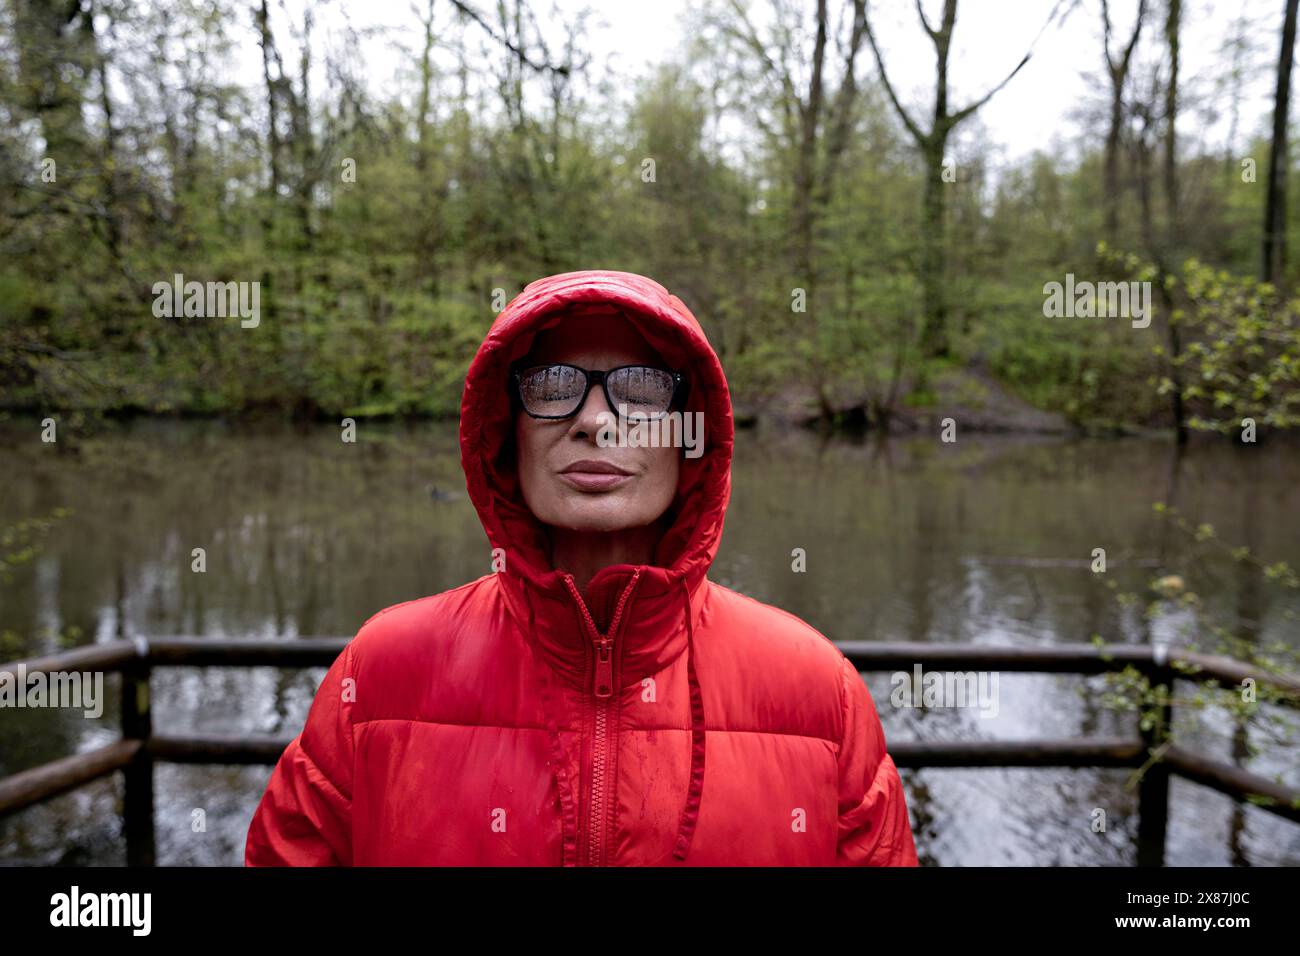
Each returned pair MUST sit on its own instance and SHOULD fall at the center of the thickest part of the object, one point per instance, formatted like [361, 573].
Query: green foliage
[377, 288]
[1245, 359]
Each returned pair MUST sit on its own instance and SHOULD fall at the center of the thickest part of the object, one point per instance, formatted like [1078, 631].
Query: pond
[985, 540]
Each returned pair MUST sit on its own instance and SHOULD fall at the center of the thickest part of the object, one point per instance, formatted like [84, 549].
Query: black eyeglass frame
[681, 388]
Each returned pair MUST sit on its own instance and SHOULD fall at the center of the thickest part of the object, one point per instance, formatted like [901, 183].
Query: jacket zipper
[602, 688]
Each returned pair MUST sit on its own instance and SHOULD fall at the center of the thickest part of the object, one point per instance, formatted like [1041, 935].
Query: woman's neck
[584, 553]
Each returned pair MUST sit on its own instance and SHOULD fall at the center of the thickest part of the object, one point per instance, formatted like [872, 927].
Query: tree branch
[472, 14]
[750, 39]
[912, 128]
[920, 13]
[964, 113]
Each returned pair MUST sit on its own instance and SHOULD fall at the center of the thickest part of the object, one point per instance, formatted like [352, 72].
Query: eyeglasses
[636, 392]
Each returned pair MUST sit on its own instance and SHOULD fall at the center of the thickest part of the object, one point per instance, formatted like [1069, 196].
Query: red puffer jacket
[665, 720]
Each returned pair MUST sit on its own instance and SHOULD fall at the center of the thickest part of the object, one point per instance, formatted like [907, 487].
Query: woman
[596, 700]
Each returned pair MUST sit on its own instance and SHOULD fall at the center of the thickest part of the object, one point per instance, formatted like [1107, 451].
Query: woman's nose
[594, 413]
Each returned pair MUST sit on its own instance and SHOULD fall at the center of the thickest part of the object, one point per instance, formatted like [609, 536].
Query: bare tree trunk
[809, 121]
[426, 94]
[273, 133]
[428, 234]
[1273, 266]
[934, 331]
[1173, 24]
[304, 138]
[1118, 70]
[1110, 187]
[267, 43]
[113, 224]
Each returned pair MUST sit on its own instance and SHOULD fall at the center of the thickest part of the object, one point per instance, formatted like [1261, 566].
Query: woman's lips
[594, 475]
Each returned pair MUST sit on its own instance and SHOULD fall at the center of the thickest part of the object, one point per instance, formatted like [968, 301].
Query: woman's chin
[597, 524]
[602, 515]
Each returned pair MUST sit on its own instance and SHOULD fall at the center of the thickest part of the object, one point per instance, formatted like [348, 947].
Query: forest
[854, 253]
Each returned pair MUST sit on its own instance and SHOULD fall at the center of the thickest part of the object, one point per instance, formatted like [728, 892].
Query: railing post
[137, 724]
[1153, 789]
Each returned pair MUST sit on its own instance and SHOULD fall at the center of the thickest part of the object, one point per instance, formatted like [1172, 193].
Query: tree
[1274, 253]
[1117, 68]
[1173, 24]
[932, 144]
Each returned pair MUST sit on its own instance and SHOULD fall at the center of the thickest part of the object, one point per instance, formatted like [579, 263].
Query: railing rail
[140, 747]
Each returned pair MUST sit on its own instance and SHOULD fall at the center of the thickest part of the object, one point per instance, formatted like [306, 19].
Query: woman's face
[568, 480]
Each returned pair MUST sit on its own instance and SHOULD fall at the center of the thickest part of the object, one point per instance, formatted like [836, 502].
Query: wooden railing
[135, 754]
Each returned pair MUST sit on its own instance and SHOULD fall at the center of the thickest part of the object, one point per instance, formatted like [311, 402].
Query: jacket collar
[641, 609]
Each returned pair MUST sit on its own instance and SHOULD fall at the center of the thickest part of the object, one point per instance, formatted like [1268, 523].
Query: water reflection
[985, 541]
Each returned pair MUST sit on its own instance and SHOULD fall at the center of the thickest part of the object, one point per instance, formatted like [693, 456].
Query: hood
[648, 611]
[487, 430]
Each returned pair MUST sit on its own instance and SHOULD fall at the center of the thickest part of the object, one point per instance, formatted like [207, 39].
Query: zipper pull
[604, 669]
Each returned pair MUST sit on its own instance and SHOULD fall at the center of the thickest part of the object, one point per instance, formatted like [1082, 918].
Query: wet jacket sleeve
[873, 824]
[305, 815]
